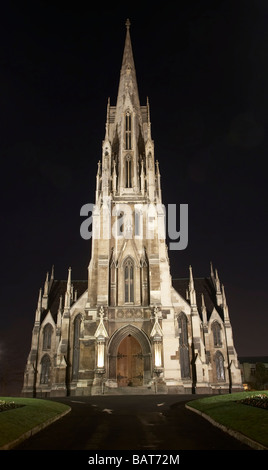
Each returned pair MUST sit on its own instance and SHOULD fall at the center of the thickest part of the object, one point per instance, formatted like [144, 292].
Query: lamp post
[100, 370]
[157, 340]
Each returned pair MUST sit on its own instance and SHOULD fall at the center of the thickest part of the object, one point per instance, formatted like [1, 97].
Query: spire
[59, 313]
[51, 277]
[218, 288]
[142, 177]
[148, 119]
[52, 274]
[158, 186]
[107, 121]
[46, 285]
[114, 177]
[39, 308]
[211, 271]
[69, 280]
[224, 305]
[46, 291]
[203, 309]
[68, 292]
[191, 281]
[128, 82]
[192, 289]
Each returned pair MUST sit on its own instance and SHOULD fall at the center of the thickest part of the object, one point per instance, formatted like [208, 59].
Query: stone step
[130, 390]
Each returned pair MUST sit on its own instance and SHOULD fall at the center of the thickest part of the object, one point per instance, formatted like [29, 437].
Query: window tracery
[129, 280]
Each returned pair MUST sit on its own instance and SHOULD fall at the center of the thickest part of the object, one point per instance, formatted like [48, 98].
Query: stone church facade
[130, 324]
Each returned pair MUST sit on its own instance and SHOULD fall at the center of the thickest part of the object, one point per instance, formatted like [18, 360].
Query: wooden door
[130, 363]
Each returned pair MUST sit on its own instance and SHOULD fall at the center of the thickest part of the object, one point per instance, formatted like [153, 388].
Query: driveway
[144, 423]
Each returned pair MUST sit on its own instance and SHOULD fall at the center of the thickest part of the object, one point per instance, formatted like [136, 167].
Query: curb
[33, 431]
[237, 435]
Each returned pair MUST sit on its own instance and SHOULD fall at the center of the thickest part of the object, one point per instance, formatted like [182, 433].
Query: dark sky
[204, 68]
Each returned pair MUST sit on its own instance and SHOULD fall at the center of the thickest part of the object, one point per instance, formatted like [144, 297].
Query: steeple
[128, 87]
[127, 168]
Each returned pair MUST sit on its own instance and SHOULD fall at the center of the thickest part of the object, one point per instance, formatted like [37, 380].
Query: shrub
[8, 405]
[260, 401]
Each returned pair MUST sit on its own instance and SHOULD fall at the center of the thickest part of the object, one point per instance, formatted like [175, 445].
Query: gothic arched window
[113, 282]
[184, 346]
[219, 361]
[129, 280]
[138, 222]
[45, 370]
[216, 329]
[128, 131]
[145, 290]
[120, 224]
[76, 346]
[47, 334]
[128, 167]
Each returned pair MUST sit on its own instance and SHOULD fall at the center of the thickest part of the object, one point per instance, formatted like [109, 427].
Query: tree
[261, 376]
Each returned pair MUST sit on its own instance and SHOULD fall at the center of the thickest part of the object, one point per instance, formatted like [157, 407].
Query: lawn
[229, 411]
[33, 415]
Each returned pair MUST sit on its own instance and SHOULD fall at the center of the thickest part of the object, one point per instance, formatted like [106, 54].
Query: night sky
[204, 68]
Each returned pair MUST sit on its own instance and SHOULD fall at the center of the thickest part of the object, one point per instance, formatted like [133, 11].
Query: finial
[156, 313]
[191, 288]
[203, 309]
[128, 24]
[39, 304]
[101, 312]
[218, 287]
[223, 295]
[224, 305]
[211, 270]
[46, 285]
[191, 275]
[39, 308]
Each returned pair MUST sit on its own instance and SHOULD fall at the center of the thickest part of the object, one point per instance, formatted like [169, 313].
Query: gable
[202, 286]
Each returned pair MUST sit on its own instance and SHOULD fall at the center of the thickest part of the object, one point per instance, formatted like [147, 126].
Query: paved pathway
[154, 422]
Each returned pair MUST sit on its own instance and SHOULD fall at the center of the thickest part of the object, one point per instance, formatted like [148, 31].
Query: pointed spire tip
[128, 23]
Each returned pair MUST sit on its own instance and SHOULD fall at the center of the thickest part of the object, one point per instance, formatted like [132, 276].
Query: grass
[228, 411]
[35, 413]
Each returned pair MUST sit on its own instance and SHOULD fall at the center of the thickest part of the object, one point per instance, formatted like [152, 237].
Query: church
[130, 327]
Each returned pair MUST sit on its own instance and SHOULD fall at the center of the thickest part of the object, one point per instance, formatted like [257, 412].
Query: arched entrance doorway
[130, 363]
[129, 357]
